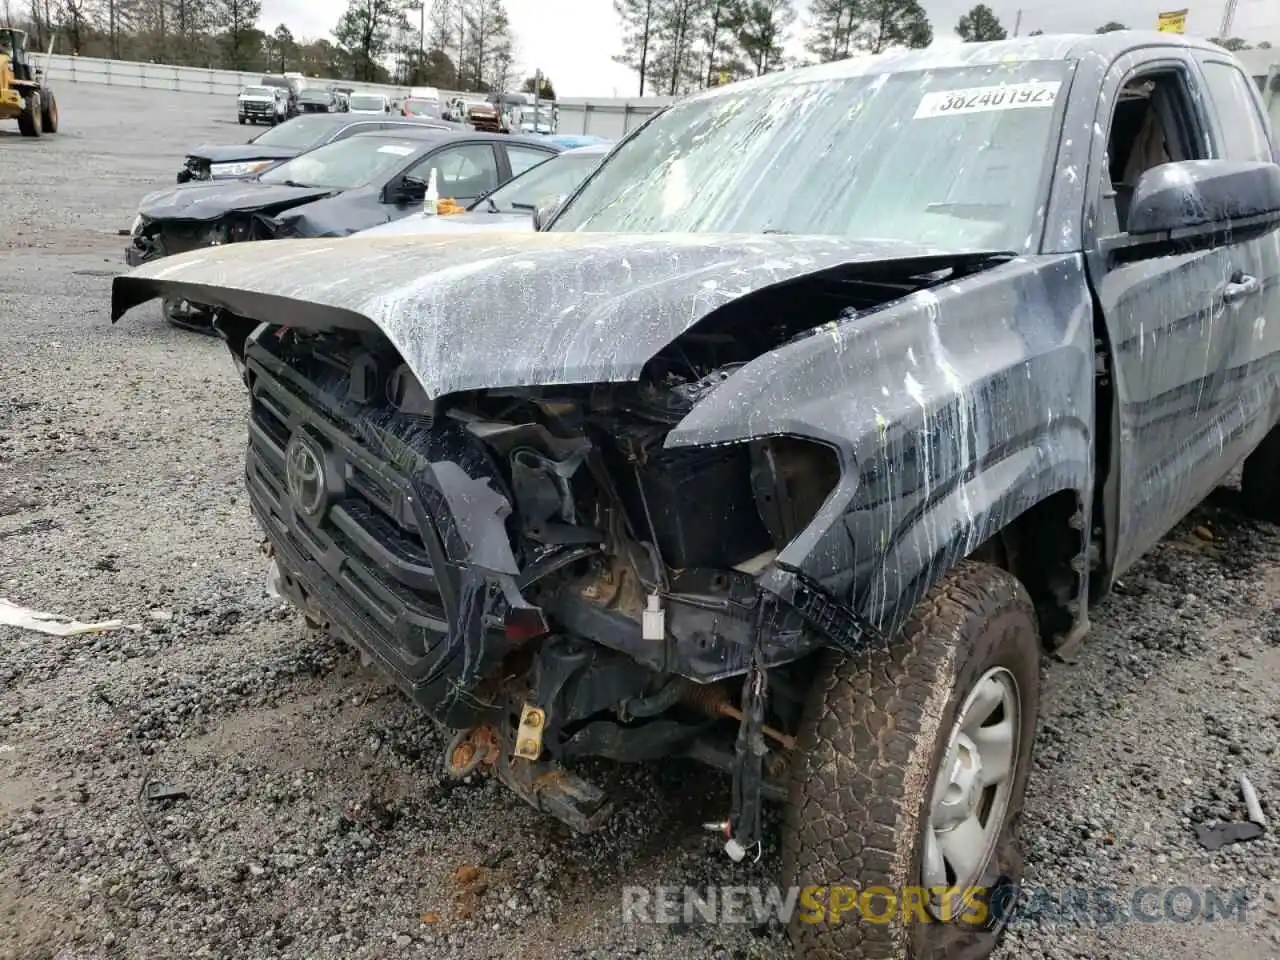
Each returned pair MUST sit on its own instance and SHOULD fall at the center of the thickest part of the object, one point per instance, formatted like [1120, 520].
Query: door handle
[1240, 286]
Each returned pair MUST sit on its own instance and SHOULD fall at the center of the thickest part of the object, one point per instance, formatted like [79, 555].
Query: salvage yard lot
[317, 823]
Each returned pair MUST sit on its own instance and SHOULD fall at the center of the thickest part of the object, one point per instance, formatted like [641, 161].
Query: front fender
[953, 411]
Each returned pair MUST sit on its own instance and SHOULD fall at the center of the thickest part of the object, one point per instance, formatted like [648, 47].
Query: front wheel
[31, 119]
[49, 112]
[188, 316]
[242, 121]
[915, 763]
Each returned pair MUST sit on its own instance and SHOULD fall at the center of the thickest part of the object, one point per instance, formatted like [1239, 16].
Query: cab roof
[1065, 47]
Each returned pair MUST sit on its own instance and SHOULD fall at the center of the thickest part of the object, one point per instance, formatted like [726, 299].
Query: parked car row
[276, 98]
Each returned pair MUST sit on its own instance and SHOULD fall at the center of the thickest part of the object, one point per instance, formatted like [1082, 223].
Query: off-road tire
[1260, 479]
[49, 113]
[31, 120]
[875, 731]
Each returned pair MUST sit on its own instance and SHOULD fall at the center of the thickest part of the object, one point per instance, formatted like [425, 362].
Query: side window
[522, 158]
[1244, 135]
[1152, 123]
[463, 172]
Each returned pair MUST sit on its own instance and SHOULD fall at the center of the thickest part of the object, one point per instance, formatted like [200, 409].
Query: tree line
[674, 46]
[451, 44]
[679, 46]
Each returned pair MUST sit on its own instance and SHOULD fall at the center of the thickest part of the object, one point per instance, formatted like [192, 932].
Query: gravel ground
[317, 823]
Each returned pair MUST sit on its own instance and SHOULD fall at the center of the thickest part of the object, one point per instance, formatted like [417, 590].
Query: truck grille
[380, 555]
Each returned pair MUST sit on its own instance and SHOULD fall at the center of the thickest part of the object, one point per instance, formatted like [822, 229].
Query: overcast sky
[573, 40]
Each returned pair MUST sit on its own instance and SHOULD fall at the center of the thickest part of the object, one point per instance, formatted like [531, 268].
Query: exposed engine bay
[536, 569]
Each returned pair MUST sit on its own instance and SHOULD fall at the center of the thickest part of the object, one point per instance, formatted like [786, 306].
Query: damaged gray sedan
[823, 408]
[334, 190]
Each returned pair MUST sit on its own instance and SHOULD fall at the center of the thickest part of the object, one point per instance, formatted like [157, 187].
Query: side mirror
[546, 211]
[1193, 199]
[409, 190]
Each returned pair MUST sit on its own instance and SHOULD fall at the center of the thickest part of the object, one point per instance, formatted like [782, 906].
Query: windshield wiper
[493, 207]
[294, 183]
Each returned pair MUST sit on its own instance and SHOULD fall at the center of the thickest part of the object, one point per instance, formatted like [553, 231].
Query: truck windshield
[951, 158]
[257, 92]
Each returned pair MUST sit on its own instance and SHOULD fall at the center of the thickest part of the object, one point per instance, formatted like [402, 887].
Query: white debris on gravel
[318, 824]
[25, 618]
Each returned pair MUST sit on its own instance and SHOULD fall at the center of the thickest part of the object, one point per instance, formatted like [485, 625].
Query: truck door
[1242, 131]
[1171, 320]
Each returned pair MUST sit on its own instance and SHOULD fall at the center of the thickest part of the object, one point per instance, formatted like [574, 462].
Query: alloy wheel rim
[972, 787]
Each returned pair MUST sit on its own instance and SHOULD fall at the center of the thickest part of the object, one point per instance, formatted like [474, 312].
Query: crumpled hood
[483, 310]
[418, 224]
[241, 152]
[208, 200]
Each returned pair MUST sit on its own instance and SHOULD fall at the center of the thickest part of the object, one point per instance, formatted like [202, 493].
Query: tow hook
[469, 750]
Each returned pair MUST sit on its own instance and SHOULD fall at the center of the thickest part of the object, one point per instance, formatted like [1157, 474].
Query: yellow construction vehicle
[25, 93]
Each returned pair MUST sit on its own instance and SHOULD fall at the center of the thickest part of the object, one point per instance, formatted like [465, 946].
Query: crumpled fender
[953, 411]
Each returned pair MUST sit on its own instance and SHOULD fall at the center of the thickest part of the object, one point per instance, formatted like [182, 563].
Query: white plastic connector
[735, 850]
[654, 620]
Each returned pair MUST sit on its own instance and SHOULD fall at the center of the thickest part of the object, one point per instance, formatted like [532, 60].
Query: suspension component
[713, 700]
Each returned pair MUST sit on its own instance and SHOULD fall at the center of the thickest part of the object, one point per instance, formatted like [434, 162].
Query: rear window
[427, 108]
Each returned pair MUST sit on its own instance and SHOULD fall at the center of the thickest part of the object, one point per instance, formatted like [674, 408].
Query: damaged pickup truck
[814, 416]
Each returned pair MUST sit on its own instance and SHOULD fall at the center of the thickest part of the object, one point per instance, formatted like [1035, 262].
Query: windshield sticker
[1008, 96]
[395, 148]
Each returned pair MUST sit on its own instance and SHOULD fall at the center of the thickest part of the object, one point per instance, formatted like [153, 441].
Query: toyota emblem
[304, 473]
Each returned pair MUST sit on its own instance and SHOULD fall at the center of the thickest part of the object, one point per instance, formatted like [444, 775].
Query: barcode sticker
[1007, 96]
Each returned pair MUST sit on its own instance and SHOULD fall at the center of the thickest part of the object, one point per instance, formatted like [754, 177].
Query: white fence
[609, 118]
[601, 117]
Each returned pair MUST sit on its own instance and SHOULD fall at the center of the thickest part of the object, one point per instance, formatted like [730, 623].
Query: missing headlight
[791, 478]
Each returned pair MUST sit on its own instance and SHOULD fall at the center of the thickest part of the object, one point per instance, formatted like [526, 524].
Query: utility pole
[1017, 23]
[422, 41]
[1228, 18]
[537, 96]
